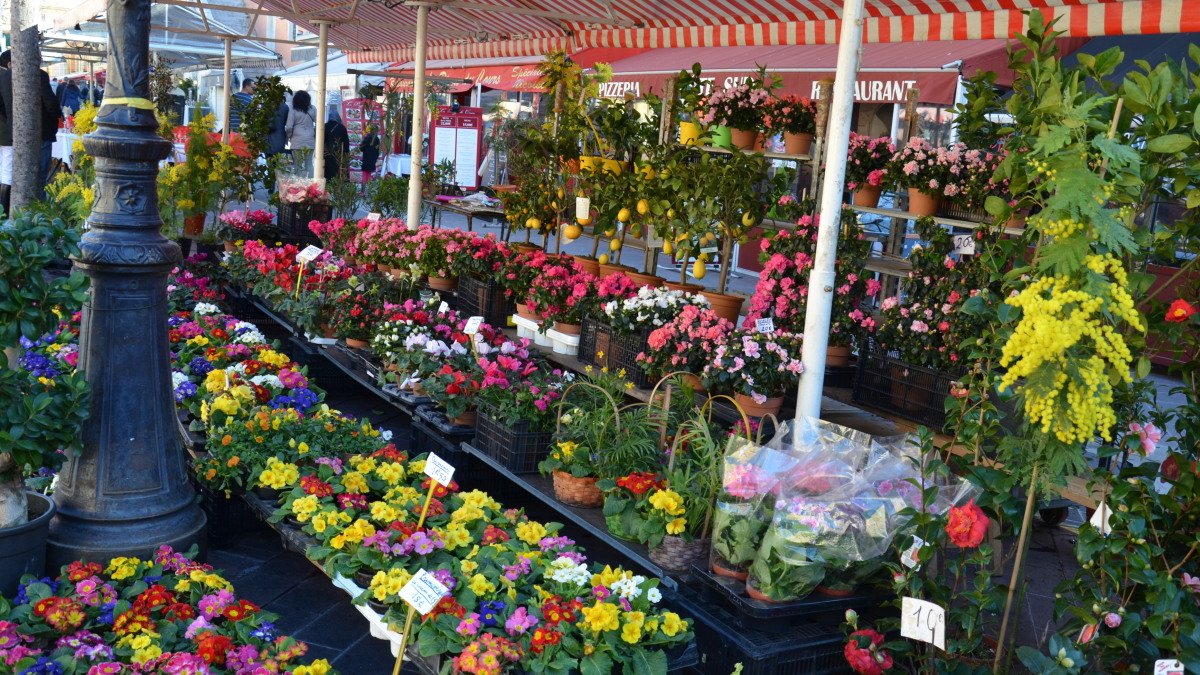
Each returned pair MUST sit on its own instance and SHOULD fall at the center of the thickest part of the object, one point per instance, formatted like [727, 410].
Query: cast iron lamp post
[127, 492]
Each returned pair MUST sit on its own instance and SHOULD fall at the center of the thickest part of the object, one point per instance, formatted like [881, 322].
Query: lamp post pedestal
[127, 492]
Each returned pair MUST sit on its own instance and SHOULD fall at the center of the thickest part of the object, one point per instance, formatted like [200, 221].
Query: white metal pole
[92, 82]
[322, 66]
[821, 281]
[417, 150]
[228, 87]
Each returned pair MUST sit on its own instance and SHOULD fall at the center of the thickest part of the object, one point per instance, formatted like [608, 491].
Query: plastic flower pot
[868, 195]
[23, 547]
[797, 144]
[718, 567]
[467, 419]
[443, 283]
[193, 225]
[357, 344]
[722, 137]
[689, 133]
[567, 328]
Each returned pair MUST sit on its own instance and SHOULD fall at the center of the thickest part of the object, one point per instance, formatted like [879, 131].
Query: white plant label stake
[423, 592]
[309, 254]
[923, 621]
[1168, 667]
[472, 326]
[439, 469]
[374, 216]
[1102, 519]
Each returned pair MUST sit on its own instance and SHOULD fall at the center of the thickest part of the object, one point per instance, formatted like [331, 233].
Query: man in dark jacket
[276, 134]
[51, 115]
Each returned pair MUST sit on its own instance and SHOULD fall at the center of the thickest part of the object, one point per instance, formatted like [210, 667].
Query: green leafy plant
[344, 197]
[388, 196]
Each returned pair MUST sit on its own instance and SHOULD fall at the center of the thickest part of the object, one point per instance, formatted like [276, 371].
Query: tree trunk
[27, 108]
[14, 506]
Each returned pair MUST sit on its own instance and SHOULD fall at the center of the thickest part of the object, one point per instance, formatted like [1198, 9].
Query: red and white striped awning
[368, 31]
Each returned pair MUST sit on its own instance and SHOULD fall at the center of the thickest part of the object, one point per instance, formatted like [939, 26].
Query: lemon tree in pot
[41, 407]
[737, 208]
[681, 205]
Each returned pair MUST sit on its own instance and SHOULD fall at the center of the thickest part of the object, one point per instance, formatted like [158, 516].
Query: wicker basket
[677, 555]
[580, 492]
[625, 350]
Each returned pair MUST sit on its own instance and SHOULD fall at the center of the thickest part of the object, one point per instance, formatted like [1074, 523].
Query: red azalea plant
[562, 292]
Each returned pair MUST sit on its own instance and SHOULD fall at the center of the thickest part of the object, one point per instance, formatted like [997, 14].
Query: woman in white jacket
[301, 126]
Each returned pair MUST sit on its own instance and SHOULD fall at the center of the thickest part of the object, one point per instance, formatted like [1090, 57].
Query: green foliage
[981, 98]
[345, 197]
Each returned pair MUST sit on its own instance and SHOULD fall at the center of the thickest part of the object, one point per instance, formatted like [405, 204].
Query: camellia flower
[967, 525]
[864, 654]
[1148, 434]
[1181, 310]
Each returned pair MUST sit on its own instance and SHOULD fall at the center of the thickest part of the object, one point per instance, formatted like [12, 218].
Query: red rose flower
[1181, 310]
[868, 658]
[967, 525]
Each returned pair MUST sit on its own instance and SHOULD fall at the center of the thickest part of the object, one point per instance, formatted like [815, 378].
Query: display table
[433, 206]
[397, 165]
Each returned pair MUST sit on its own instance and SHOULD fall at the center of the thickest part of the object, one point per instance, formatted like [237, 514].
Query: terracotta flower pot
[837, 356]
[526, 312]
[756, 594]
[834, 592]
[193, 225]
[686, 288]
[726, 306]
[501, 189]
[868, 195]
[581, 492]
[354, 343]
[526, 247]
[744, 139]
[609, 269]
[921, 204]
[467, 419]
[797, 144]
[589, 265]
[648, 280]
[692, 381]
[567, 328]
[718, 568]
[443, 283]
[752, 408]
[689, 133]
[327, 331]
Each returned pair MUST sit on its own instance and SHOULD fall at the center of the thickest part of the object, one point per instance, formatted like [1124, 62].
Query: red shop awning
[505, 74]
[888, 70]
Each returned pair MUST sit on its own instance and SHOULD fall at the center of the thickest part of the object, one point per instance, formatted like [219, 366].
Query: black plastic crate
[772, 617]
[430, 434]
[841, 377]
[517, 448]
[595, 338]
[324, 374]
[484, 298]
[806, 648]
[913, 392]
[228, 516]
[625, 350]
[293, 219]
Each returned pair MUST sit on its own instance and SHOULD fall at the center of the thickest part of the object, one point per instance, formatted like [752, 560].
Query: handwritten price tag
[439, 469]
[1168, 667]
[309, 254]
[374, 216]
[423, 592]
[764, 325]
[1102, 519]
[472, 326]
[964, 244]
[923, 621]
[710, 249]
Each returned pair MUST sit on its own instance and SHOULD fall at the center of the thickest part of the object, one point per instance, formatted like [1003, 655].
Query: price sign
[1102, 519]
[472, 326]
[374, 216]
[309, 254]
[1168, 667]
[964, 244]
[764, 325]
[439, 469]
[443, 308]
[909, 557]
[583, 208]
[423, 592]
[923, 621]
[710, 249]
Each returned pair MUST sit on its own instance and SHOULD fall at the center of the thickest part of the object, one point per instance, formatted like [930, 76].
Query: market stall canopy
[503, 73]
[887, 73]
[304, 75]
[385, 30]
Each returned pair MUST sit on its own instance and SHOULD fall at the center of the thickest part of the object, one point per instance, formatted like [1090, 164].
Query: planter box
[526, 328]
[562, 343]
[484, 298]
[625, 349]
[913, 392]
[516, 447]
[293, 219]
[595, 338]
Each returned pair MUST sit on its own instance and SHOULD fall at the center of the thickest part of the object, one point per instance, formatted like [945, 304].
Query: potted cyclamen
[42, 400]
[796, 118]
[741, 108]
[929, 173]
[238, 225]
[561, 293]
[756, 367]
[867, 167]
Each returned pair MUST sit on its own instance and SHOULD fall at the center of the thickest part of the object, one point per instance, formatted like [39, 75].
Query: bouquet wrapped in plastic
[838, 507]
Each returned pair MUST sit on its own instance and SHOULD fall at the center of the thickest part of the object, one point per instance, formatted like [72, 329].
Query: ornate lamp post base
[127, 492]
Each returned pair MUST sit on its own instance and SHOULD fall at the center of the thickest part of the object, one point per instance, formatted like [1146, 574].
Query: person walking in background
[370, 152]
[238, 103]
[51, 116]
[301, 125]
[276, 132]
[6, 139]
[337, 142]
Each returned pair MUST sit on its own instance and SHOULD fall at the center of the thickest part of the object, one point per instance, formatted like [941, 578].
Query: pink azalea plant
[562, 292]
[759, 365]
[935, 171]
[867, 163]
[741, 107]
[686, 343]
